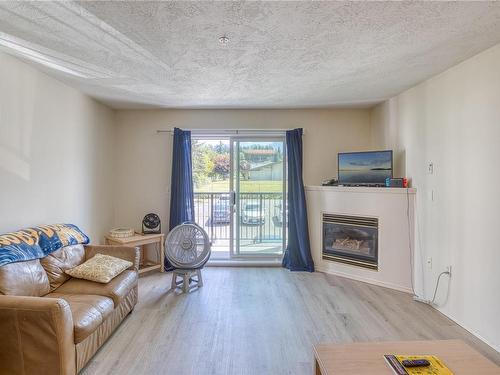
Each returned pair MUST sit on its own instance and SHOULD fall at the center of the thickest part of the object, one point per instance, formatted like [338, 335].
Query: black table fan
[151, 224]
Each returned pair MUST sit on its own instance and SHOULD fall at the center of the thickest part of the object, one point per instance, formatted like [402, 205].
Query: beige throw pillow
[100, 268]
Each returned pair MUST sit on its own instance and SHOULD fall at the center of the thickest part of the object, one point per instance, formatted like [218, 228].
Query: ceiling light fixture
[223, 40]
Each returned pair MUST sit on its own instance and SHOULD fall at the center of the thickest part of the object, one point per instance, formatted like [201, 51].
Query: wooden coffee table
[367, 358]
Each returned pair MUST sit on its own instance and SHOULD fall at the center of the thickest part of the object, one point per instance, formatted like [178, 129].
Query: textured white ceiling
[280, 54]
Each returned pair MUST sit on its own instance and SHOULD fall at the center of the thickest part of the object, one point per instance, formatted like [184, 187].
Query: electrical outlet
[430, 168]
[448, 269]
[429, 262]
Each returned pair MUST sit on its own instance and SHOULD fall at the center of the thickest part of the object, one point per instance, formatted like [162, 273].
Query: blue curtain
[298, 252]
[181, 188]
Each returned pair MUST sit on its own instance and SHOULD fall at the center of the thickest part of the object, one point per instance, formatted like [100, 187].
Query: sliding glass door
[239, 185]
[213, 199]
[258, 182]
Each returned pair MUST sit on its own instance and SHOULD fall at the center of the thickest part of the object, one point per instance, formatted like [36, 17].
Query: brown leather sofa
[51, 323]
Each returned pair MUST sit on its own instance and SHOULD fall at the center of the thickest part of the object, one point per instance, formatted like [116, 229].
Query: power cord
[415, 296]
[409, 239]
[437, 285]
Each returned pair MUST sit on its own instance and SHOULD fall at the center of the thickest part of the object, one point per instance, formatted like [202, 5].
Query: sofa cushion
[117, 289]
[100, 268]
[24, 279]
[88, 312]
[56, 263]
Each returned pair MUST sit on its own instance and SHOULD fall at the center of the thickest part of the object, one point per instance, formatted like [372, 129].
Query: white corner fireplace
[363, 233]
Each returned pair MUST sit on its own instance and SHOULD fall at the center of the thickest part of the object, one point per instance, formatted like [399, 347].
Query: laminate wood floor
[260, 321]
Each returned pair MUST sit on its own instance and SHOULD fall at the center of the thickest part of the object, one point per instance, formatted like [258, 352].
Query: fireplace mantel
[394, 208]
[362, 189]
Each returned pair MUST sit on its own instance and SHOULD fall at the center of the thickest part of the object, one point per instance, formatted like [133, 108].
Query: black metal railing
[260, 216]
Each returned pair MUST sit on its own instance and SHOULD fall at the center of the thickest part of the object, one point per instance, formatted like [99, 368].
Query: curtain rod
[228, 131]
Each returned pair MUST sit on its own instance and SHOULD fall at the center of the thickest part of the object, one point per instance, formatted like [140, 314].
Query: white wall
[55, 153]
[453, 121]
[143, 158]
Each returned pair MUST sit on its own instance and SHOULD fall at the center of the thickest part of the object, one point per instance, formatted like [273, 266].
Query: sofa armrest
[132, 254]
[36, 336]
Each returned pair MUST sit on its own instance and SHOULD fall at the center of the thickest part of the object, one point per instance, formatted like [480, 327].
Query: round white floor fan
[187, 247]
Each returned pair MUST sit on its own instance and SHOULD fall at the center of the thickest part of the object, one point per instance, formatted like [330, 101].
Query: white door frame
[234, 225]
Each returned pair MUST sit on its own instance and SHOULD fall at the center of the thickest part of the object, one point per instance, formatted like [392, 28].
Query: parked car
[253, 213]
[222, 210]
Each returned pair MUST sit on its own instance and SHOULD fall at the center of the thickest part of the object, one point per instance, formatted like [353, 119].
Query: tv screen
[365, 168]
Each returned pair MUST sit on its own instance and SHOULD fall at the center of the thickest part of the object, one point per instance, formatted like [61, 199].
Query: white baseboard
[243, 263]
[457, 321]
[364, 279]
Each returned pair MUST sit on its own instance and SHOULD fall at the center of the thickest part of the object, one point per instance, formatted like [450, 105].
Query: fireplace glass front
[351, 239]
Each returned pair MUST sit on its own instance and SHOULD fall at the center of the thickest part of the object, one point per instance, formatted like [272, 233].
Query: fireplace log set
[347, 243]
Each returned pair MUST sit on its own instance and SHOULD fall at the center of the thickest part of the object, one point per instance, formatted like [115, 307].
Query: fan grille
[151, 221]
[187, 246]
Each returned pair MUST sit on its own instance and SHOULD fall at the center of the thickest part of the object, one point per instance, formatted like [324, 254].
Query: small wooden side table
[367, 358]
[140, 240]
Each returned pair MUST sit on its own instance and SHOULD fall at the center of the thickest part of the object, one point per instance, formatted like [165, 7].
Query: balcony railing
[260, 216]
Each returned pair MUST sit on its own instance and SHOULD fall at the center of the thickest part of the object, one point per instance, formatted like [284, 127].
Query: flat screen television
[369, 168]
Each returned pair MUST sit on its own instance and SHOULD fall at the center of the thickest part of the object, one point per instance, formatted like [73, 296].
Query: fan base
[187, 280]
